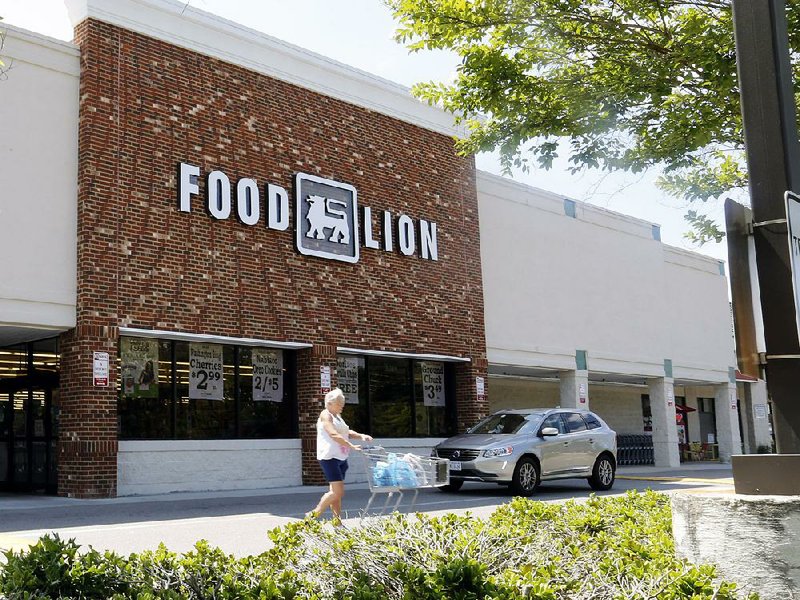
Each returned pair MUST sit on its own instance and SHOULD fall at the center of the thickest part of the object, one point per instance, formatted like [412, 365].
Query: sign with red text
[325, 379]
[100, 369]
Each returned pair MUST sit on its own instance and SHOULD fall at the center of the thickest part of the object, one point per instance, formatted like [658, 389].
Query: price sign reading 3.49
[432, 383]
[205, 372]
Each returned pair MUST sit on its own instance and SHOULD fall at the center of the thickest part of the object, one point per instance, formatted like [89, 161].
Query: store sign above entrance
[328, 223]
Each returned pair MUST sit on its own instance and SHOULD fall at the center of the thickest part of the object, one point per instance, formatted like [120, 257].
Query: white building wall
[160, 467]
[165, 466]
[701, 342]
[598, 282]
[38, 179]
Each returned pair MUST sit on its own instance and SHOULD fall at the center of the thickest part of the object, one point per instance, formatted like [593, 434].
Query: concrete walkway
[237, 520]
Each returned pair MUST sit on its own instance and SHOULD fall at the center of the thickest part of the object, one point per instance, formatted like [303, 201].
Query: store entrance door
[28, 433]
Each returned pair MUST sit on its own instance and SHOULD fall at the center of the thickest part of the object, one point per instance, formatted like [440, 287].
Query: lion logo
[323, 214]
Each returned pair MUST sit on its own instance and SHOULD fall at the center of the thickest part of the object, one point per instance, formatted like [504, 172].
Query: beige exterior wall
[38, 179]
[599, 282]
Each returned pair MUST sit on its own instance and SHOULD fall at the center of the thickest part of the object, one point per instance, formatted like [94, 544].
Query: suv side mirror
[548, 432]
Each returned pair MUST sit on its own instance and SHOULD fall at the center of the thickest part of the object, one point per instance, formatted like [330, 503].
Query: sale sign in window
[267, 375]
[205, 372]
[432, 383]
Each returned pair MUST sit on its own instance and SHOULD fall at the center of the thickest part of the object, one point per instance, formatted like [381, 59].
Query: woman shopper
[333, 448]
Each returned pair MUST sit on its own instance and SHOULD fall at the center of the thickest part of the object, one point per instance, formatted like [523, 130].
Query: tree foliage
[625, 84]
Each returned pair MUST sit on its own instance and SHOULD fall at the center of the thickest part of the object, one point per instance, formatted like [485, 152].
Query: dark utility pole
[773, 164]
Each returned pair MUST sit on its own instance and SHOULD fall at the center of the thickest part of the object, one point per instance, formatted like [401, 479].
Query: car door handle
[566, 443]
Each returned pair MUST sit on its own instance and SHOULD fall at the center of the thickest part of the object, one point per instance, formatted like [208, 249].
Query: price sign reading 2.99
[205, 372]
[432, 383]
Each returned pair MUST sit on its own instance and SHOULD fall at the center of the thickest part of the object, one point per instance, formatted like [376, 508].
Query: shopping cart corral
[393, 473]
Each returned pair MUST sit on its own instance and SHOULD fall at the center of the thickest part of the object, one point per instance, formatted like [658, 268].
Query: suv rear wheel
[526, 477]
[603, 473]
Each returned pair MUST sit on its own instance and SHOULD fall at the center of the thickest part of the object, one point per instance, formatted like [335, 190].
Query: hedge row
[602, 549]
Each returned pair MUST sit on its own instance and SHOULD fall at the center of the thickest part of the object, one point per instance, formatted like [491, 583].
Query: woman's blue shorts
[334, 469]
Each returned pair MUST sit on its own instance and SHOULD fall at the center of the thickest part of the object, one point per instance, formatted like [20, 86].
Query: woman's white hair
[334, 397]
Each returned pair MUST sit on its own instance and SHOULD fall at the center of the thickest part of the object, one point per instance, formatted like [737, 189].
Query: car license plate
[455, 465]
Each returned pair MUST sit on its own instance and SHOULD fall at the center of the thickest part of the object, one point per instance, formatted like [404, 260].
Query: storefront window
[206, 406]
[351, 373]
[430, 394]
[186, 390]
[265, 399]
[647, 414]
[145, 396]
[391, 397]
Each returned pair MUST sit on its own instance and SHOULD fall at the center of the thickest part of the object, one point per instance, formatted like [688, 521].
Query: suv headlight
[492, 452]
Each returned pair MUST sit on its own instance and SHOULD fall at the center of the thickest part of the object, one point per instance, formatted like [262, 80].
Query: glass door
[28, 433]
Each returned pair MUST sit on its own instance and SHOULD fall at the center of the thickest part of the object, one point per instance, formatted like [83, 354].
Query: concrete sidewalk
[705, 471]
[237, 521]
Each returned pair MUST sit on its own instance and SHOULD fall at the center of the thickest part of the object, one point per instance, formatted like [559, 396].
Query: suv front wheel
[603, 473]
[526, 477]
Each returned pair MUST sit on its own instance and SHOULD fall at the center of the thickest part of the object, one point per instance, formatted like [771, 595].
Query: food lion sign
[326, 214]
[327, 223]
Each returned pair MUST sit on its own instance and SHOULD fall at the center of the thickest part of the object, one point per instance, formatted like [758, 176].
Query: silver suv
[520, 448]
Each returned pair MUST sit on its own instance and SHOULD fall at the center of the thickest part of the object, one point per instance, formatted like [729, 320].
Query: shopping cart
[393, 473]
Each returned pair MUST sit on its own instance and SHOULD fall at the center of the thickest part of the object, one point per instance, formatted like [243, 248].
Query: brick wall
[145, 106]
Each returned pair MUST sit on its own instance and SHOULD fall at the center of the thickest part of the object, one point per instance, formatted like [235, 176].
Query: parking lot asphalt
[238, 521]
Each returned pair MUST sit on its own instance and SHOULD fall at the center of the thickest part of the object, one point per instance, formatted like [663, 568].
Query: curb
[723, 481]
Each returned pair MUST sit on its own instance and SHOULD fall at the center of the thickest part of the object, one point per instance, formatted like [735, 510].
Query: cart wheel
[526, 477]
[453, 486]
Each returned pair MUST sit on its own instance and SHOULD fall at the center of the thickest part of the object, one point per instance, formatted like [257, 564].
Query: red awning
[741, 377]
[682, 408]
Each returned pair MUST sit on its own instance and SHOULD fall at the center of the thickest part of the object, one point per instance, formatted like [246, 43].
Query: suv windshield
[501, 423]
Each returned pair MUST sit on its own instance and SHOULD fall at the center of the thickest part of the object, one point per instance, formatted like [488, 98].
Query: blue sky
[359, 33]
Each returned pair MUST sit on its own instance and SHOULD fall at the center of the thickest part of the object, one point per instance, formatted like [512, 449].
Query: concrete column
[748, 539]
[665, 432]
[756, 393]
[574, 389]
[727, 417]
[746, 415]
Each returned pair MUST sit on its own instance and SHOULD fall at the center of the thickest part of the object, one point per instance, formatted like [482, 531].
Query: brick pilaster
[470, 407]
[87, 444]
[310, 401]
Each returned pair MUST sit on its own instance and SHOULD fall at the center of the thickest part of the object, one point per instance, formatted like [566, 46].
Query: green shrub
[53, 568]
[606, 548]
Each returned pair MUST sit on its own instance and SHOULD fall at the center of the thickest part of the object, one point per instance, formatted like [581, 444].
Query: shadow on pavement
[294, 504]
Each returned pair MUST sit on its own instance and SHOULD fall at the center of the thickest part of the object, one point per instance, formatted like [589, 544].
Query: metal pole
[773, 163]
